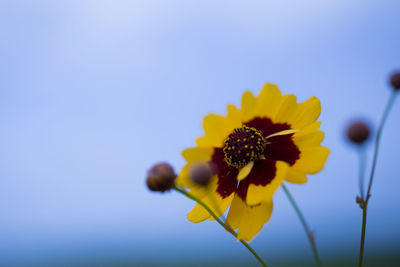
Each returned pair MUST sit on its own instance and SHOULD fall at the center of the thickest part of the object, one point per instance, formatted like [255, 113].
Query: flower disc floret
[242, 146]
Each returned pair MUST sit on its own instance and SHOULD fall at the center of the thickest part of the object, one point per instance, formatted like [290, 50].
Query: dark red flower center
[265, 153]
[242, 146]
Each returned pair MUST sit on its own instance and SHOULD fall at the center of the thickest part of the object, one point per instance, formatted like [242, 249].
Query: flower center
[244, 145]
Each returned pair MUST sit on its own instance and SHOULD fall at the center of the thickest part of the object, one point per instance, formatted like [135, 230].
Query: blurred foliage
[378, 261]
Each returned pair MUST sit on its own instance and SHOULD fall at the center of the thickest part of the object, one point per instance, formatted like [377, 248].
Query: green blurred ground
[388, 261]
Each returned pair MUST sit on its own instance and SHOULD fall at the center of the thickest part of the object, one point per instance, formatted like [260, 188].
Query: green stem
[371, 178]
[226, 227]
[377, 140]
[305, 225]
[361, 161]
[364, 225]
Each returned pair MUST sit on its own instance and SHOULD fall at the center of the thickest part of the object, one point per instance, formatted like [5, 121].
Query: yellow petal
[197, 154]
[308, 140]
[269, 100]
[311, 128]
[215, 202]
[296, 177]
[287, 109]
[183, 179]
[244, 172]
[234, 116]
[255, 218]
[249, 102]
[236, 212]
[259, 193]
[307, 113]
[312, 159]
[284, 132]
[249, 219]
[220, 205]
[198, 214]
[218, 127]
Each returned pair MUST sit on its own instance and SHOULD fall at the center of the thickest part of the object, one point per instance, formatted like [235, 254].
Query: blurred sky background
[92, 93]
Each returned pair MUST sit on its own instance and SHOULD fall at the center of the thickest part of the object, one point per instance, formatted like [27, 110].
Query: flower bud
[160, 177]
[358, 132]
[200, 173]
[395, 80]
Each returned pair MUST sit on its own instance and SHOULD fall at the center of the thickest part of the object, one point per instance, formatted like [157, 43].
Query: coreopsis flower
[252, 151]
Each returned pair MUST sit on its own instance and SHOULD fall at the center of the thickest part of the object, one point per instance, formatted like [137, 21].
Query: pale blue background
[92, 93]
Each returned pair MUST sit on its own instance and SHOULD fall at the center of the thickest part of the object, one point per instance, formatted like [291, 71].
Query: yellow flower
[252, 150]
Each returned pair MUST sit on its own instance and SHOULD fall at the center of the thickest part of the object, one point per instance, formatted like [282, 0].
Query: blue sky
[94, 92]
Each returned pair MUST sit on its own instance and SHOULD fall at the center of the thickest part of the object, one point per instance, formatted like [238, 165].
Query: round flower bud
[160, 177]
[395, 80]
[358, 132]
[200, 173]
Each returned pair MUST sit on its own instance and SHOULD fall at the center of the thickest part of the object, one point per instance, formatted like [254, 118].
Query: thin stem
[361, 154]
[226, 227]
[305, 225]
[371, 178]
[364, 225]
[361, 173]
[378, 137]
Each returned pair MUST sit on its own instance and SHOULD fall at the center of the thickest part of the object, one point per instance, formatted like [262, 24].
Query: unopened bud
[395, 80]
[200, 173]
[160, 177]
[358, 132]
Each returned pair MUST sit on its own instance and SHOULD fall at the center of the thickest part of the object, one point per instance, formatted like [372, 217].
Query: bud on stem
[160, 177]
[200, 173]
[358, 132]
